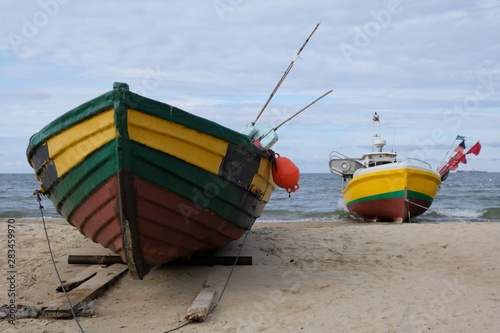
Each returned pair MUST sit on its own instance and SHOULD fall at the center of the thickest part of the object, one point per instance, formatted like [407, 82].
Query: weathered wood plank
[86, 292]
[78, 279]
[201, 305]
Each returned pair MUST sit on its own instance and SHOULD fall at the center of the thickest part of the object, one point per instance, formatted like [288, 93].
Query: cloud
[421, 65]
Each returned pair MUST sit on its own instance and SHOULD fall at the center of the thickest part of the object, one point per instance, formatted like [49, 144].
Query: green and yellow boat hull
[391, 192]
[149, 181]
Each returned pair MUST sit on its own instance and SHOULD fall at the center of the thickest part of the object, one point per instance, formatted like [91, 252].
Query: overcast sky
[430, 69]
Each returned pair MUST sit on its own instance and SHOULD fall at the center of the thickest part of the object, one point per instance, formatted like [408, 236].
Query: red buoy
[285, 173]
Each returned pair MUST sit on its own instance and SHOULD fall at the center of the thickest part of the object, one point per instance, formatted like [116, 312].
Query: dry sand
[305, 277]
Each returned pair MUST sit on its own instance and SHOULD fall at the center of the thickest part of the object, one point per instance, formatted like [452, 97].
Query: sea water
[464, 196]
[17, 199]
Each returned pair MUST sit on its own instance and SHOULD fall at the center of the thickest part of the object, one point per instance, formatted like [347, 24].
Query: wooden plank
[201, 305]
[77, 280]
[84, 293]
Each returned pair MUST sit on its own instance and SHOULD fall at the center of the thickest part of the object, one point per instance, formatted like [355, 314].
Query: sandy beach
[305, 277]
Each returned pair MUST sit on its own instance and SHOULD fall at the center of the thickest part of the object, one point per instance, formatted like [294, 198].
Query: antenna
[393, 140]
[377, 140]
[285, 74]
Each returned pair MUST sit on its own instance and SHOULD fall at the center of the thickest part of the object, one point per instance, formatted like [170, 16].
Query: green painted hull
[102, 176]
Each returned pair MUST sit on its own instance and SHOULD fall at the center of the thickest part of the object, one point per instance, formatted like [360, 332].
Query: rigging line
[285, 74]
[39, 199]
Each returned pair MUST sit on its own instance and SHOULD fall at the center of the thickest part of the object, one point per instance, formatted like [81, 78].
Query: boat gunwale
[403, 169]
[122, 94]
[239, 207]
[76, 115]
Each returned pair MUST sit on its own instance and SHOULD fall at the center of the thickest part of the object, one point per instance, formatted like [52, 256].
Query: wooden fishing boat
[397, 191]
[377, 187]
[149, 181]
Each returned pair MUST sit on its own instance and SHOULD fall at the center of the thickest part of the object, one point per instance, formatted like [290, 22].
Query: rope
[187, 321]
[230, 273]
[180, 325]
[416, 204]
[39, 199]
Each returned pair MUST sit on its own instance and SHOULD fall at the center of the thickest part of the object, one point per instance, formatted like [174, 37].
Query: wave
[458, 214]
[282, 215]
[28, 213]
[342, 215]
[492, 214]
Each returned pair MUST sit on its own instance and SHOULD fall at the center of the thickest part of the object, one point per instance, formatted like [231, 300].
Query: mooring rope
[230, 273]
[40, 206]
[180, 325]
[416, 204]
[189, 321]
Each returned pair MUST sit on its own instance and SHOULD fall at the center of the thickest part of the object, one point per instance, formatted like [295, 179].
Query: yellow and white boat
[377, 187]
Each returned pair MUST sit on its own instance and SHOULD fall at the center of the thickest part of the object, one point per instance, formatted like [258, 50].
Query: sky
[430, 69]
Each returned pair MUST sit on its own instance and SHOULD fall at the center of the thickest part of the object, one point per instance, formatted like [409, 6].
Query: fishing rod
[308, 105]
[285, 74]
[297, 113]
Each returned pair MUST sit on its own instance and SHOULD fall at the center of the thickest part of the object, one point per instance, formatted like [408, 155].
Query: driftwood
[201, 305]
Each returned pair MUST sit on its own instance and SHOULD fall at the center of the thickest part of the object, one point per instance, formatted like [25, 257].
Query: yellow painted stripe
[194, 147]
[385, 181]
[75, 143]
[374, 183]
[423, 182]
[263, 181]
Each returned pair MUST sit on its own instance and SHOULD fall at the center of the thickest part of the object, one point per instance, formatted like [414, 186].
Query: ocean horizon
[464, 196]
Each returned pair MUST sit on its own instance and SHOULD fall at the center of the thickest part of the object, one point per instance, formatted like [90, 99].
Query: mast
[378, 142]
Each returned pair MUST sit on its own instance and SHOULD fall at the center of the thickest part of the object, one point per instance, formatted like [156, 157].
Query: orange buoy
[285, 173]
